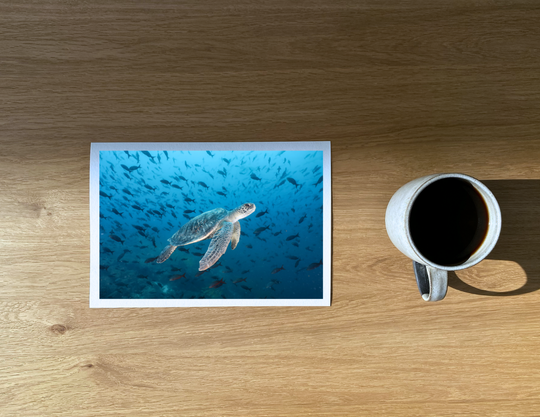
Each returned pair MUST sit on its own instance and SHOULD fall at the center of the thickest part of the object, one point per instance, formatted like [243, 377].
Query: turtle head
[244, 210]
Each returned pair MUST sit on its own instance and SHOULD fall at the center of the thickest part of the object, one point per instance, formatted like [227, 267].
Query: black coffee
[448, 221]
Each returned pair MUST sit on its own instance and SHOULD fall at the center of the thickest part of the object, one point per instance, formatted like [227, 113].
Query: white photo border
[95, 148]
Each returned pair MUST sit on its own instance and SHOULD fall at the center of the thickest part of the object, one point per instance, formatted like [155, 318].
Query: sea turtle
[219, 224]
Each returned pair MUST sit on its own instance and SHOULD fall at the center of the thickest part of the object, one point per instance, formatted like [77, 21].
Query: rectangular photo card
[210, 224]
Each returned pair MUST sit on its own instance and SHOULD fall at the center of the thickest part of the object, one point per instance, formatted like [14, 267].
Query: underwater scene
[211, 224]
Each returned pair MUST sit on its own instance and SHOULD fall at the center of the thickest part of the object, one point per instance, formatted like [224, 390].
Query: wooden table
[401, 88]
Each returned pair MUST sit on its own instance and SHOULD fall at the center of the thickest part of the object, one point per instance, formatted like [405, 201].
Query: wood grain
[401, 88]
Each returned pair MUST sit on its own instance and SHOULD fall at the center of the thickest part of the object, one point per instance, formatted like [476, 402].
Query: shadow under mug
[432, 277]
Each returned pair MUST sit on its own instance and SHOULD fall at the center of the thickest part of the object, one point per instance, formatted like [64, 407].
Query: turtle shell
[199, 228]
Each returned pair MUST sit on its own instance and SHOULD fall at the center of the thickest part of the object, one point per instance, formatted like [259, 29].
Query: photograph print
[210, 224]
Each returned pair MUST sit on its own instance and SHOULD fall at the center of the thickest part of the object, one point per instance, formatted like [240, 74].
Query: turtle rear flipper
[165, 254]
[217, 247]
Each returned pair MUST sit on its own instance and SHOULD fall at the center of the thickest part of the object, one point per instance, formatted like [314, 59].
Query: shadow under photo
[513, 267]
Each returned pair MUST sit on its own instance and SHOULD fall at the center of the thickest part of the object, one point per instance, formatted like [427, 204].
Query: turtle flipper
[235, 237]
[217, 247]
[165, 254]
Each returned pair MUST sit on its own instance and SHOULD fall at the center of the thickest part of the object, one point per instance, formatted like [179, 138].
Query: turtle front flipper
[217, 247]
[235, 237]
[165, 254]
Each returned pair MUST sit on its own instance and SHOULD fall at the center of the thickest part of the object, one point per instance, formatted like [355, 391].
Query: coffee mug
[443, 222]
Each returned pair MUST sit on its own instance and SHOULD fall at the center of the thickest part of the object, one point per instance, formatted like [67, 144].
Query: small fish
[174, 215]
[176, 186]
[104, 267]
[127, 176]
[107, 250]
[149, 187]
[217, 284]
[262, 213]
[294, 258]
[297, 262]
[104, 194]
[125, 190]
[302, 219]
[210, 153]
[293, 182]
[169, 205]
[246, 288]
[202, 184]
[293, 237]
[275, 271]
[187, 217]
[150, 260]
[222, 193]
[127, 153]
[165, 182]
[137, 207]
[239, 280]
[182, 178]
[184, 250]
[222, 173]
[147, 154]
[117, 212]
[226, 160]
[189, 211]
[166, 154]
[314, 265]
[189, 200]
[253, 176]
[249, 246]
[178, 277]
[197, 253]
[133, 168]
[116, 238]
[122, 255]
[318, 182]
[277, 233]
[258, 231]
[200, 273]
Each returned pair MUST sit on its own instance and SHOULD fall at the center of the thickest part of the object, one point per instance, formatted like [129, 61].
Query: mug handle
[432, 282]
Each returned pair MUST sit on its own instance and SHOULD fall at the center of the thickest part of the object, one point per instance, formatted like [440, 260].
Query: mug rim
[486, 247]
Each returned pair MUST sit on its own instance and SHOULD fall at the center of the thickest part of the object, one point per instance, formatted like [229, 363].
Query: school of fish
[146, 196]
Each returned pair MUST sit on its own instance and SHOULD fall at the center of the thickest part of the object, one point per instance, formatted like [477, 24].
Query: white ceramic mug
[431, 277]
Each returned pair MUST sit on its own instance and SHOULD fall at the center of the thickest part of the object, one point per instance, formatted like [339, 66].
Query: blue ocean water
[146, 196]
